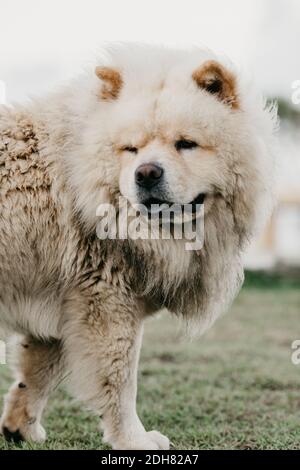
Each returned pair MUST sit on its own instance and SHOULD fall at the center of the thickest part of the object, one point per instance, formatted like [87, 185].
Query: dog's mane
[203, 289]
[197, 286]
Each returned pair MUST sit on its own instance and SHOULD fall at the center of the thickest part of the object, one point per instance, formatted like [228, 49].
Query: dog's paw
[35, 433]
[19, 421]
[152, 440]
[161, 440]
[32, 432]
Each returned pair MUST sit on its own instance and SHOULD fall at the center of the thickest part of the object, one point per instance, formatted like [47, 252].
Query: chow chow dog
[153, 125]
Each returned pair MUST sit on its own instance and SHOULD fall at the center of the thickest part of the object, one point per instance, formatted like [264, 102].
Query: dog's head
[168, 144]
[174, 127]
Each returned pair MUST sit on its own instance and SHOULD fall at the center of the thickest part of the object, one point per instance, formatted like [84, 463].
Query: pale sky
[44, 42]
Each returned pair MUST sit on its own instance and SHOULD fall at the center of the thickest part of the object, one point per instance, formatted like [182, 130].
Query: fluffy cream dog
[153, 125]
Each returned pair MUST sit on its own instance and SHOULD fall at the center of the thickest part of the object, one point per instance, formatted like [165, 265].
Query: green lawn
[235, 388]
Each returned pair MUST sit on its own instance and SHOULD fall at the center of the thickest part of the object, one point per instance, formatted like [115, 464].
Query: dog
[151, 125]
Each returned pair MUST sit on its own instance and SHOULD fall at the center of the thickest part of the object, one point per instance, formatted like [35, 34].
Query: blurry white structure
[287, 232]
[280, 243]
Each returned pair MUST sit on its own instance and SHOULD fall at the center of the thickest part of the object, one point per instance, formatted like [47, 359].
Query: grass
[235, 388]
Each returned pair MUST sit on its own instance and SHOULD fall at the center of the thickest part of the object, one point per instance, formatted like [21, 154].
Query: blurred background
[239, 388]
[44, 43]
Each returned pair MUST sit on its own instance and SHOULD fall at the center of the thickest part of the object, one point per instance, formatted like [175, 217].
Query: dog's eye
[128, 148]
[183, 144]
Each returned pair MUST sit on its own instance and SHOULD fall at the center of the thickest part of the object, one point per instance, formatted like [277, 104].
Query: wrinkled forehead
[166, 95]
[173, 111]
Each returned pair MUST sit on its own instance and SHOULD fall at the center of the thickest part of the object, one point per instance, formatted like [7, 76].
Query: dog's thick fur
[80, 302]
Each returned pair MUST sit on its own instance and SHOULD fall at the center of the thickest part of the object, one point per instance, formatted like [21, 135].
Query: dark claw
[10, 436]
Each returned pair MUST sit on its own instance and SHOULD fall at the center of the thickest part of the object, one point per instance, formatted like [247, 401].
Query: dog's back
[35, 228]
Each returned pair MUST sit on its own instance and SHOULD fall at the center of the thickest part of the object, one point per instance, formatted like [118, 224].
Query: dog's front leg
[102, 337]
[38, 367]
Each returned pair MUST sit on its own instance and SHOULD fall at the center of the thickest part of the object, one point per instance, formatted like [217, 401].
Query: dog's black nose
[148, 175]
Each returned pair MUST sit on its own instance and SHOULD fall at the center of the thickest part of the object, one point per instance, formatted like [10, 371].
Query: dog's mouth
[156, 205]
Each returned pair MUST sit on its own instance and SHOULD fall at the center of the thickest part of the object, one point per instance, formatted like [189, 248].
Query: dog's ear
[217, 80]
[111, 82]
